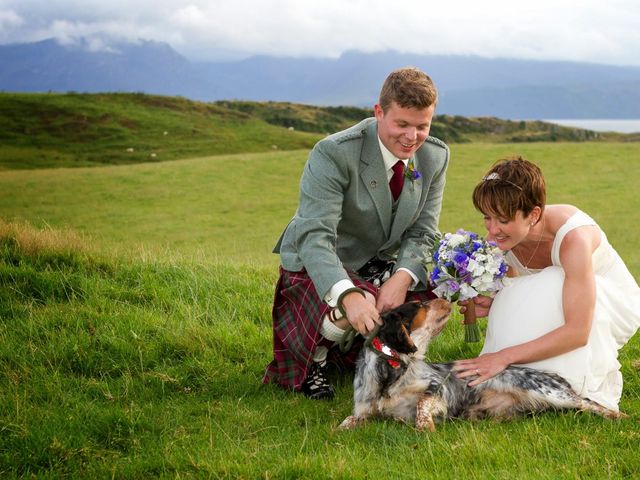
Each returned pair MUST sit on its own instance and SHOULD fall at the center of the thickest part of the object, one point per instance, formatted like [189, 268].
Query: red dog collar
[383, 350]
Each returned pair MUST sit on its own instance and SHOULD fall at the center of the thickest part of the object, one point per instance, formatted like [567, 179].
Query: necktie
[397, 180]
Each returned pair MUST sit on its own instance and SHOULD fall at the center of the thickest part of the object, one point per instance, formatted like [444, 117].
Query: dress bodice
[603, 257]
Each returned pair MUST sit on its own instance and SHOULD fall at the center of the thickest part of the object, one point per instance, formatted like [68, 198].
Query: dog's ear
[404, 337]
[395, 334]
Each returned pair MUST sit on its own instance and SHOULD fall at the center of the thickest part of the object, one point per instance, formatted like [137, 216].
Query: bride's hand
[482, 304]
[483, 367]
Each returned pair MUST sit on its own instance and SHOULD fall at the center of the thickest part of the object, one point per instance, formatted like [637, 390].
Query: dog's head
[409, 327]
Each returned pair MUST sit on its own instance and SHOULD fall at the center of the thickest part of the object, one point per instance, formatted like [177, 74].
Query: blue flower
[435, 273]
[411, 173]
[460, 259]
[456, 271]
[453, 286]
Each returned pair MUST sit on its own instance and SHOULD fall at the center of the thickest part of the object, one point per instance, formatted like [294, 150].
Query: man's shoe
[316, 386]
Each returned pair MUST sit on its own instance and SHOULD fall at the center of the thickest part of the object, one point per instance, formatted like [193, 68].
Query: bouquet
[463, 266]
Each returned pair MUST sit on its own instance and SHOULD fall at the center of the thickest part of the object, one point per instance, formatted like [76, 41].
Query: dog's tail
[594, 407]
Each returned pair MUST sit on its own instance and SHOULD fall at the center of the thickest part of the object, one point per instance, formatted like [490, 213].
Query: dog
[392, 379]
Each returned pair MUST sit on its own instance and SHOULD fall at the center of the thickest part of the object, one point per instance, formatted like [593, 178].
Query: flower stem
[472, 333]
[471, 328]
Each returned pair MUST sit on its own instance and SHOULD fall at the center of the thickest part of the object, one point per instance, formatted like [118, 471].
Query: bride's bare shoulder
[557, 215]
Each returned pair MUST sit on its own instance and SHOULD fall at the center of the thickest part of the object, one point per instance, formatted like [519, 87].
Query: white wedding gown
[531, 305]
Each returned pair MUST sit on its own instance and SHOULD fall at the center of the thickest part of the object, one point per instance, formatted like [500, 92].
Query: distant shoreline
[600, 125]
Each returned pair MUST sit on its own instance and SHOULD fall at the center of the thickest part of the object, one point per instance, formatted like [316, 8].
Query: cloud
[9, 20]
[213, 29]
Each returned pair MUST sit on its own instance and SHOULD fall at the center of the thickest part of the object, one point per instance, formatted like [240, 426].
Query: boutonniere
[411, 173]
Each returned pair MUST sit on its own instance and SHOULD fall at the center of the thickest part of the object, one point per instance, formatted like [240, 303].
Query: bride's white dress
[531, 305]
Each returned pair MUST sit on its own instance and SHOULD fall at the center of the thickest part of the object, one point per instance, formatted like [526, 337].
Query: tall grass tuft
[30, 242]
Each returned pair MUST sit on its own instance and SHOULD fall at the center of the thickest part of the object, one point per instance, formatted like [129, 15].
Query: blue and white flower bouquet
[463, 265]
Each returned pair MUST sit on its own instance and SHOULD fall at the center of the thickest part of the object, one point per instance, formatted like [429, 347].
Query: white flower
[475, 267]
[456, 239]
[441, 291]
[466, 291]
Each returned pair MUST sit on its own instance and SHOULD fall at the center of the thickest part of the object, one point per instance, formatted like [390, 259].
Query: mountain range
[468, 85]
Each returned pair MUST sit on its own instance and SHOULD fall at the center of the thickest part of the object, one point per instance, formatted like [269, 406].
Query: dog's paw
[348, 423]
[428, 407]
[425, 423]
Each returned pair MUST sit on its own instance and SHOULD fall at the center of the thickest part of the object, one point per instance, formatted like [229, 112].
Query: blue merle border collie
[392, 379]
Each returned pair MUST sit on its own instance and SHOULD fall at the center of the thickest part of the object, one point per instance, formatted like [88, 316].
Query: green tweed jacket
[346, 214]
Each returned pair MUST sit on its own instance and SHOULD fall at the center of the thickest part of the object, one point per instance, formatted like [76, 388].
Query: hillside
[450, 128]
[62, 130]
[54, 130]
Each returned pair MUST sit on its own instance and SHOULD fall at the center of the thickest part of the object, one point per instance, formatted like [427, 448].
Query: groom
[370, 201]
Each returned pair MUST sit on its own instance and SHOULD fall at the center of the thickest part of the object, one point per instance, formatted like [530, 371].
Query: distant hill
[53, 130]
[66, 130]
[469, 86]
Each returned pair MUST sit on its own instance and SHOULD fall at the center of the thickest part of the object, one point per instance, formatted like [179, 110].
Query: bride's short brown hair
[512, 184]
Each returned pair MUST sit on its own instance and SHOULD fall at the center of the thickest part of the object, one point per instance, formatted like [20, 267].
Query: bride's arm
[578, 299]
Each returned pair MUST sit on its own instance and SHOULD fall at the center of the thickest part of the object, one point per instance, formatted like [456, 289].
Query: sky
[585, 30]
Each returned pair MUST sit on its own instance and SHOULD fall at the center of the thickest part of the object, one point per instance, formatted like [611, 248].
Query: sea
[601, 125]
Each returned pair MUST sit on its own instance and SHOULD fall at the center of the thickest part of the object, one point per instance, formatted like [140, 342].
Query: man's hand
[361, 312]
[394, 291]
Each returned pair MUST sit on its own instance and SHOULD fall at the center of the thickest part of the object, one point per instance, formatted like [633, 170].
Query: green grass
[233, 208]
[135, 328]
[75, 130]
[152, 369]
[227, 207]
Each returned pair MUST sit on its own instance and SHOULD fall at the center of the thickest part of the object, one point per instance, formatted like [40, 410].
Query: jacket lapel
[374, 177]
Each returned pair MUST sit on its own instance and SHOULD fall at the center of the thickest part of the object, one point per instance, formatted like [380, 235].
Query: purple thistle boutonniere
[411, 173]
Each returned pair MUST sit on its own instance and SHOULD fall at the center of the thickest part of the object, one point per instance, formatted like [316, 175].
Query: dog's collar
[385, 351]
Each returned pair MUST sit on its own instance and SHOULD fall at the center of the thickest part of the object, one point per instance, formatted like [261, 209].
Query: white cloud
[206, 29]
[9, 20]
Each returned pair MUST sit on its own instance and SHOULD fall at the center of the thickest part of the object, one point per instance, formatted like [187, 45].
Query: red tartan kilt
[297, 318]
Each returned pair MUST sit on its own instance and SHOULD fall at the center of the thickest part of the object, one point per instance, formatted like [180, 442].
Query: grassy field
[233, 208]
[135, 327]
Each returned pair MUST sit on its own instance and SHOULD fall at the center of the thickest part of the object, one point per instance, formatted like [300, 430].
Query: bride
[572, 304]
